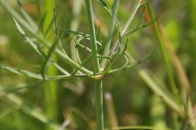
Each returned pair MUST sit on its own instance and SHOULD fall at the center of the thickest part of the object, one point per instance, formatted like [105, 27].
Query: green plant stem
[163, 52]
[110, 32]
[48, 10]
[91, 28]
[99, 105]
[50, 88]
[150, 80]
[131, 17]
[96, 67]
[182, 77]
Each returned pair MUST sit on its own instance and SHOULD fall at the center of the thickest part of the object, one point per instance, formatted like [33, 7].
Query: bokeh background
[134, 103]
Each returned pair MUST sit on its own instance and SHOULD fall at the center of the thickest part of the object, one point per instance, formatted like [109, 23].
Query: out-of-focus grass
[133, 100]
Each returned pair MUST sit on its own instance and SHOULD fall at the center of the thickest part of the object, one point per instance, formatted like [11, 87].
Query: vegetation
[95, 65]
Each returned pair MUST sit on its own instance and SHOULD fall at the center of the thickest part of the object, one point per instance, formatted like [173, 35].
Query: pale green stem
[96, 67]
[128, 23]
[163, 52]
[131, 17]
[110, 32]
[50, 88]
[91, 28]
[156, 89]
[99, 105]
[166, 61]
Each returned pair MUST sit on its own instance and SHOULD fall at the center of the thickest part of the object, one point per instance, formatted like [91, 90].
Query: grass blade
[36, 76]
[27, 16]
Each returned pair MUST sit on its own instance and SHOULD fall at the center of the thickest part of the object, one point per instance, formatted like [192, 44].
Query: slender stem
[136, 7]
[99, 105]
[162, 94]
[48, 10]
[131, 17]
[110, 32]
[163, 51]
[50, 88]
[91, 28]
[96, 67]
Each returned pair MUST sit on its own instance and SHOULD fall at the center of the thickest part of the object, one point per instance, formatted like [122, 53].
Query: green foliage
[70, 53]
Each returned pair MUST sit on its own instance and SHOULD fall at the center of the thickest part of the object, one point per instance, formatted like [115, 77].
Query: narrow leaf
[139, 27]
[27, 16]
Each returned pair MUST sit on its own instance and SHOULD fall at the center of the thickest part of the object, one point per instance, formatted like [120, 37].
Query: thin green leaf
[52, 48]
[126, 61]
[140, 27]
[106, 71]
[143, 59]
[20, 20]
[36, 48]
[135, 63]
[26, 37]
[51, 23]
[36, 76]
[131, 17]
[55, 64]
[104, 57]
[164, 95]
[85, 61]
[27, 16]
[109, 64]
[85, 47]
[48, 56]
[142, 16]
[119, 38]
[42, 41]
[58, 34]
[21, 72]
[125, 47]
[79, 34]
[17, 88]
[104, 4]
[140, 21]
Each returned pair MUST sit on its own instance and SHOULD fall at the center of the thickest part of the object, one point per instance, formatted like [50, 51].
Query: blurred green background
[133, 102]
